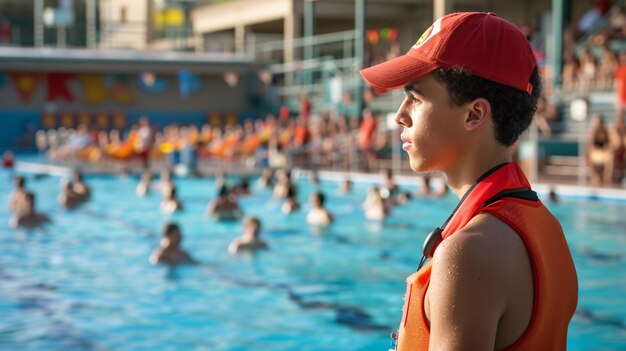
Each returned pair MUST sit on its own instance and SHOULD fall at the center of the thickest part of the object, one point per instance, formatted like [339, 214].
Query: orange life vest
[554, 275]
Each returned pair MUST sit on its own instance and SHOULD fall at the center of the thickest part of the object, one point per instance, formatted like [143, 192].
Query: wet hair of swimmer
[244, 183]
[19, 181]
[223, 191]
[291, 192]
[170, 231]
[319, 197]
[256, 223]
[172, 194]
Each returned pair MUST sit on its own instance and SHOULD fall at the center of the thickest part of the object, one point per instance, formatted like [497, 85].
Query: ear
[478, 111]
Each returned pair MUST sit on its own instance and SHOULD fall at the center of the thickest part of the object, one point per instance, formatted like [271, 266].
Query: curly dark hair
[512, 110]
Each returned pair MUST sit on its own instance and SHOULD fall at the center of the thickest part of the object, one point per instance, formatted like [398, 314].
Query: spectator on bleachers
[606, 69]
[587, 71]
[545, 113]
[570, 72]
[617, 135]
[599, 152]
[620, 83]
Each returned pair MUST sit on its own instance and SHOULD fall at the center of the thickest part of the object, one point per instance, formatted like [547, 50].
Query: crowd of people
[264, 142]
[74, 192]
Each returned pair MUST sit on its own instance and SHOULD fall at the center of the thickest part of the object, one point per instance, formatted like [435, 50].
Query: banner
[188, 83]
[119, 87]
[94, 88]
[151, 82]
[57, 87]
[25, 84]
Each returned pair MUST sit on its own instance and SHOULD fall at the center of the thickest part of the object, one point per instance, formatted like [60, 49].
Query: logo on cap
[429, 33]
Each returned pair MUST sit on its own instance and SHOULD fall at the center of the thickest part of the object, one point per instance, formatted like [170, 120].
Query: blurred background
[217, 91]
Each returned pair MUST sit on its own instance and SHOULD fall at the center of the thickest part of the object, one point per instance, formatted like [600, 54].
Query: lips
[406, 142]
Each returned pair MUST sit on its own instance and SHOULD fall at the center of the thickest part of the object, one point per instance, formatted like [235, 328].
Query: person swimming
[374, 205]
[243, 188]
[169, 251]
[283, 183]
[28, 217]
[389, 189]
[18, 195]
[171, 203]
[68, 198]
[143, 188]
[225, 207]
[80, 188]
[291, 203]
[165, 182]
[318, 215]
[266, 178]
[250, 241]
[346, 186]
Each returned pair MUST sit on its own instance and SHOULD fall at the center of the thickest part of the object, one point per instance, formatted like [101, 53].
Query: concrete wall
[133, 33]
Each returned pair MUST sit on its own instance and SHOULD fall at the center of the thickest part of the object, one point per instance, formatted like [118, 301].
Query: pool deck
[562, 187]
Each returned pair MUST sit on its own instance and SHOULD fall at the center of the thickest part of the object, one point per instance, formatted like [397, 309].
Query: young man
[501, 275]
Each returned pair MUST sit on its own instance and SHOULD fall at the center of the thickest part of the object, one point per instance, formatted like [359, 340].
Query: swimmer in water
[170, 203]
[291, 203]
[68, 198]
[374, 205]
[143, 188]
[28, 217]
[318, 215]
[80, 188]
[266, 181]
[17, 197]
[169, 251]
[250, 241]
[225, 207]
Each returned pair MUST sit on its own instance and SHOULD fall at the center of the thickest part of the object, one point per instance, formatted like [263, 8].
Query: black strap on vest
[435, 237]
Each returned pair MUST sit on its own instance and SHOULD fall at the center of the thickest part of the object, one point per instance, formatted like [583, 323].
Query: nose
[403, 116]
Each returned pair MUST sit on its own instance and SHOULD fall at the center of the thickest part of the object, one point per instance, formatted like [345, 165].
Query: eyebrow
[413, 88]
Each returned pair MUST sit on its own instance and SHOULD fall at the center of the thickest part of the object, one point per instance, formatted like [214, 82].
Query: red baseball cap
[485, 44]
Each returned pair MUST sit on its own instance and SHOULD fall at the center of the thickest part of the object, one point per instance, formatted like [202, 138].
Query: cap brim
[396, 72]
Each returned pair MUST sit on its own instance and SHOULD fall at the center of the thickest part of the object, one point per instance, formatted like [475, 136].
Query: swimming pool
[84, 282]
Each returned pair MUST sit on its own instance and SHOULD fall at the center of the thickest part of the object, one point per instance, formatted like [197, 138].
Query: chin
[418, 165]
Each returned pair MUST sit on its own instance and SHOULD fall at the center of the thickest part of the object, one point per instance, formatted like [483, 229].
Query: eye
[413, 98]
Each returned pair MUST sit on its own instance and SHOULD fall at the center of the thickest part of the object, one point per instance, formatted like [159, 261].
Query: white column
[441, 8]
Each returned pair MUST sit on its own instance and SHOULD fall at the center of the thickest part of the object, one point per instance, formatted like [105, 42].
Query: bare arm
[464, 299]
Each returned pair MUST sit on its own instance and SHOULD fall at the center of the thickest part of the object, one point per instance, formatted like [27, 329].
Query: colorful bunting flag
[188, 83]
[151, 82]
[57, 87]
[94, 88]
[119, 87]
[25, 84]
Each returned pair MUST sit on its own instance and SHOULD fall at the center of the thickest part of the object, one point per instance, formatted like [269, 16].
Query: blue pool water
[84, 282]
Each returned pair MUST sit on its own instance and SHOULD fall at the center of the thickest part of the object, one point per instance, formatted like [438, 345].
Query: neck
[461, 178]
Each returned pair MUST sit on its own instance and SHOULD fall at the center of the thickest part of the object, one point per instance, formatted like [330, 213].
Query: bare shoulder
[482, 270]
[486, 244]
